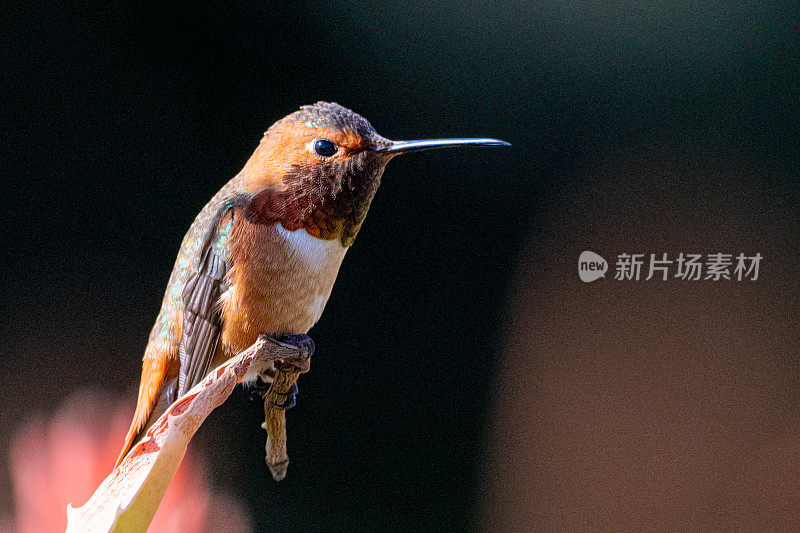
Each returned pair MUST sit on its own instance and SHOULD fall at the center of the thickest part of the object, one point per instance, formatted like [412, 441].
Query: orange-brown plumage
[160, 364]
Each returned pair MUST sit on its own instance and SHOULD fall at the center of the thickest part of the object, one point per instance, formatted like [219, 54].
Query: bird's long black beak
[402, 147]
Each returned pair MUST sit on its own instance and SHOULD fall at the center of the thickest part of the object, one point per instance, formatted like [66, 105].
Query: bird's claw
[304, 347]
[290, 400]
[259, 389]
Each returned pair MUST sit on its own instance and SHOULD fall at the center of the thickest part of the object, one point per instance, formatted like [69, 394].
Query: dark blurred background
[124, 118]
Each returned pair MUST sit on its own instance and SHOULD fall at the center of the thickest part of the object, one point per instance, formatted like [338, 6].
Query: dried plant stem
[275, 421]
[130, 495]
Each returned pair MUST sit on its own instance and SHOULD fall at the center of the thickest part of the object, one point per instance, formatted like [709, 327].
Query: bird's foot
[289, 398]
[258, 389]
[304, 348]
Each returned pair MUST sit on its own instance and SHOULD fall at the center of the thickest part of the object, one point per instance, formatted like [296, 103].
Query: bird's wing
[163, 379]
[202, 320]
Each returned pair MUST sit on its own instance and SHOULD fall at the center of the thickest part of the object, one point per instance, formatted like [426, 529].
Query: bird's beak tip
[398, 147]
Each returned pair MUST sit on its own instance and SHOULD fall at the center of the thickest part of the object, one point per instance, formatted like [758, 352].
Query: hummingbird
[263, 255]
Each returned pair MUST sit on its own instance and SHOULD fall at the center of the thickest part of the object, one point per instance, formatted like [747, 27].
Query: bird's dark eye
[324, 148]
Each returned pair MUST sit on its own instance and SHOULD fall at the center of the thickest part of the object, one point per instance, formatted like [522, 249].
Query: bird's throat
[328, 206]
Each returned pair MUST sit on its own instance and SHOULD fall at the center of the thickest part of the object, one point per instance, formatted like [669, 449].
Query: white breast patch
[313, 251]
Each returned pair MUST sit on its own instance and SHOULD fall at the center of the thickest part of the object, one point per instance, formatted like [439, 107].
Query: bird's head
[320, 167]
